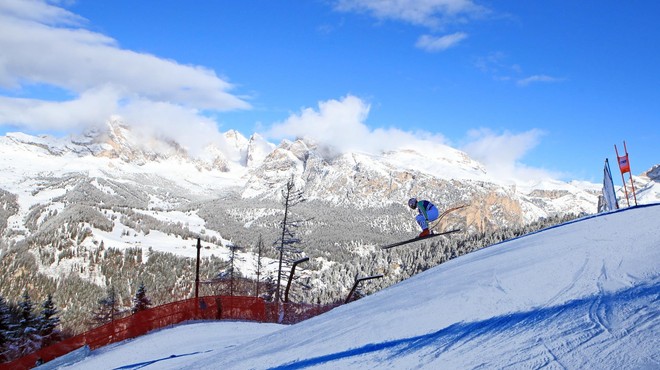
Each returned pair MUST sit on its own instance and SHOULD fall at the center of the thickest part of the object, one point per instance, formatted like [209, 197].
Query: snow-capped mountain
[115, 198]
[257, 167]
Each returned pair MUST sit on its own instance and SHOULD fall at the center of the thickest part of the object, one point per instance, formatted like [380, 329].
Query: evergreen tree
[140, 301]
[49, 322]
[107, 308]
[6, 332]
[28, 326]
[270, 285]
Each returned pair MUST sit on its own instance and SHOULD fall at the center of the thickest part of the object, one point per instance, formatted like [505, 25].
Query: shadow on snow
[589, 315]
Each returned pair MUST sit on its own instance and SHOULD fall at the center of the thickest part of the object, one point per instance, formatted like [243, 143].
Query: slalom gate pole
[632, 182]
[623, 179]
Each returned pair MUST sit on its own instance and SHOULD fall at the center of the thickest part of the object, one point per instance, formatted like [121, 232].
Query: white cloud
[502, 154]
[428, 13]
[431, 43]
[497, 65]
[538, 78]
[90, 108]
[187, 126]
[45, 45]
[340, 125]
[39, 11]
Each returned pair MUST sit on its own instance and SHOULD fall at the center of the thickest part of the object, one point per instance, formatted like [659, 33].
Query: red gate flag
[624, 165]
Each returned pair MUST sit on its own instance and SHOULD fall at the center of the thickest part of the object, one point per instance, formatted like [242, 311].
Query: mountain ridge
[256, 170]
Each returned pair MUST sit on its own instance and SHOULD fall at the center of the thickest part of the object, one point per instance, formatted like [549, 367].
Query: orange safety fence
[140, 323]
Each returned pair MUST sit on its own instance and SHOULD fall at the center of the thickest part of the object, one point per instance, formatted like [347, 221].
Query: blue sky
[531, 89]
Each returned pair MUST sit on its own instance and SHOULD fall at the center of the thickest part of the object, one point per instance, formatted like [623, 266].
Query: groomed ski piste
[581, 295]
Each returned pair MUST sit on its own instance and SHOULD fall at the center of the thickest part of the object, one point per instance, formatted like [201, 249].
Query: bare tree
[233, 270]
[259, 265]
[288, 251]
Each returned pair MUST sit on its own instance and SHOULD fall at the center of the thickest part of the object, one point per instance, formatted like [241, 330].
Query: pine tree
[7, 339]
[49, 322]
[28, 326]
[107, 309]
[270, 285]
[140, 301]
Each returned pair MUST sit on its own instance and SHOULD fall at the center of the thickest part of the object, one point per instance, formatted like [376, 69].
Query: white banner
[608, 189]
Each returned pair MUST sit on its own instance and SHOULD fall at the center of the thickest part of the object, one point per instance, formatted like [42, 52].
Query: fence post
[199, 246]
[358, 281]
[288, 284]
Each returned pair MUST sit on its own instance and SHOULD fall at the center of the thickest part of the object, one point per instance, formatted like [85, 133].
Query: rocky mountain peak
[257, 150]
[236, 139]
[118, 140]
[654, 173]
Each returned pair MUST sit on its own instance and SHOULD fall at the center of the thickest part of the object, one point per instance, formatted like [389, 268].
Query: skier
[427, 212]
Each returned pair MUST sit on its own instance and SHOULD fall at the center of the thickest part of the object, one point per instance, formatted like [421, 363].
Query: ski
[418, 239]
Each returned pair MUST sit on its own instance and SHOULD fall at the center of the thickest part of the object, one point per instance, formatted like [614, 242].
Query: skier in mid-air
[427, 212]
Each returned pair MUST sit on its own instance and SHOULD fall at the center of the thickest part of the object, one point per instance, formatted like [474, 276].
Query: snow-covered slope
[580, 295]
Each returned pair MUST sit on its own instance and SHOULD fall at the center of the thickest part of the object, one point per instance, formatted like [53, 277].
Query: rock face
[653, 174]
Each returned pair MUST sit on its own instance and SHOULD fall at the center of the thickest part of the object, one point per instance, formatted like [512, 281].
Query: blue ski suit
[427, 212]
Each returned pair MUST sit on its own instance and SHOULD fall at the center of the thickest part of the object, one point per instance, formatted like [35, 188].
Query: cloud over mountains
[91, 74]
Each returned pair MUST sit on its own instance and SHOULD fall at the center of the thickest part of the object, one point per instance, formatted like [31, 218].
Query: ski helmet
[412, 203]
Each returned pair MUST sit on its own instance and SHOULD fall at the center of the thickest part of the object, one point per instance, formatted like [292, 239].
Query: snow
[22, 156]
[258, 150]
[580, 295]
[647, 187]
[443, 162]
[175, 347]
[189, 219]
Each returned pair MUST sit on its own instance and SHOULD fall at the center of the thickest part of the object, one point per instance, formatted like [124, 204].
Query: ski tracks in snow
[140, 365]
[563, 292]
[598, 309]
[554, 359]
[583, 331]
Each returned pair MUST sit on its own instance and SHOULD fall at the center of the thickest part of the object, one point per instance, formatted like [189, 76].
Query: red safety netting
[140, 323]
